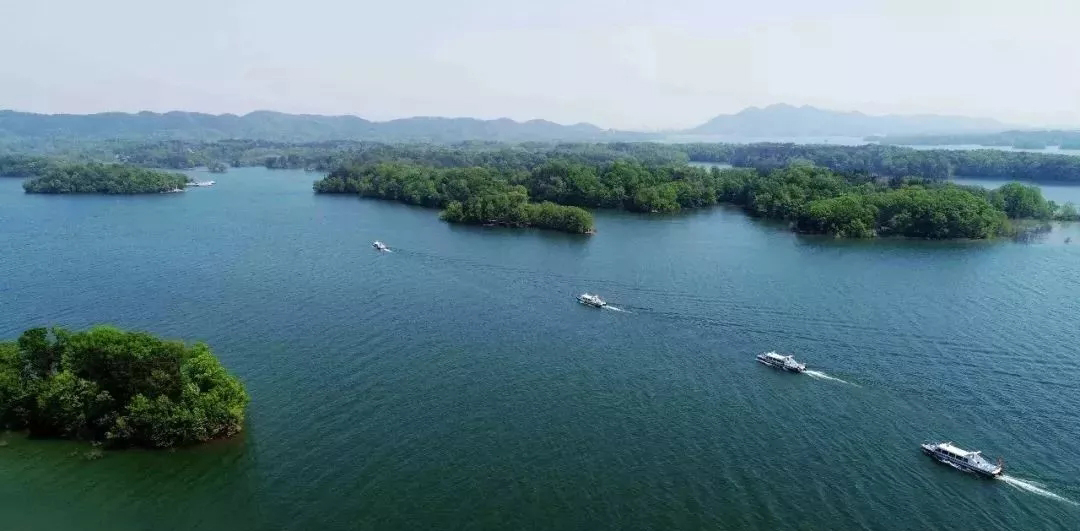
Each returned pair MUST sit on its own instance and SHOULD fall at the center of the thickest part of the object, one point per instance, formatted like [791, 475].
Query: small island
[98, 178]
[217, 167]
[476, 196]
[117, 388]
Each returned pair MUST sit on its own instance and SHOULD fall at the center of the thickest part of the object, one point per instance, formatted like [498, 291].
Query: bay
[455, 383]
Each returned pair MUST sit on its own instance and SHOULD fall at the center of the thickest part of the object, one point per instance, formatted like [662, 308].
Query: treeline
[894, 161]
[474, 195]
[325, 156]
[120, 388]
[24, 165]
[873, 160]
[1016, 139]
[97, 178]
[812, 198]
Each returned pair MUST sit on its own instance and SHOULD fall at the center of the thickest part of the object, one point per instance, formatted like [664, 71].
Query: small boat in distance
[777, 361]
[201, 183]
[591, 300]
[380, 246]
[963, 460]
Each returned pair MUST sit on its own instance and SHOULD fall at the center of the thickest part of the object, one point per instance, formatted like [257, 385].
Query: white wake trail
[1034, 488]
[614, 309]
[823, 376]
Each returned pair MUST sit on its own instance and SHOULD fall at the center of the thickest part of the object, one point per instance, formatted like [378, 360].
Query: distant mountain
[783, 120]
[267, 125]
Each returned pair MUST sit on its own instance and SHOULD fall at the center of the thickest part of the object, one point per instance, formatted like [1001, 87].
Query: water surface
[456, 384]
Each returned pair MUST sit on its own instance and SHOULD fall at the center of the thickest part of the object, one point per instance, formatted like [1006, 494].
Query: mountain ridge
[278, 126]
[777, 120]
[781, 119]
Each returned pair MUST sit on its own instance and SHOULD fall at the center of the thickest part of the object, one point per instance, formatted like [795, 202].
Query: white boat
[591, 300]
[777, 361]
[380, 246]
[963, 460]
[201, 183]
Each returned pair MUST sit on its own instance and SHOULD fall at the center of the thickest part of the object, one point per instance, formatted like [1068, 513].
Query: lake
[455, 383]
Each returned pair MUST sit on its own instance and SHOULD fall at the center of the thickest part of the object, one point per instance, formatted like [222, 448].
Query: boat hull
[592, 304]
[780, 366]
[959, 464]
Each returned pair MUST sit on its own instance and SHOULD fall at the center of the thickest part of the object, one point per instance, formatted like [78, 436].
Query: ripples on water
[457, 383]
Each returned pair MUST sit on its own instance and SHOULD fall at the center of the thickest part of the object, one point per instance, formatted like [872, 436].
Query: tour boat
[591, 300]
[777, 361]
[201, 183]
[380, 246]
[963, 460]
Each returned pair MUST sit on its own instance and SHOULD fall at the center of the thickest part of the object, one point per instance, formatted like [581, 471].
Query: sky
[616, 63]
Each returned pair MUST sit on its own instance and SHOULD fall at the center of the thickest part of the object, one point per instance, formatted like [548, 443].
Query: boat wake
[823, 376]
[1034, 488]
[615, 309]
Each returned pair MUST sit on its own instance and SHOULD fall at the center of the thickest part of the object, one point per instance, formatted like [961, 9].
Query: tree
[120, 387]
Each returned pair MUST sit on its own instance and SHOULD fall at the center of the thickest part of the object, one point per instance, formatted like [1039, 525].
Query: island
[217, 167]
[813, 199]
[478, 196]
[117, 388]
[99, 178]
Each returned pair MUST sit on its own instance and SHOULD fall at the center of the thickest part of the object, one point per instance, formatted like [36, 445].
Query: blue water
[456, 384]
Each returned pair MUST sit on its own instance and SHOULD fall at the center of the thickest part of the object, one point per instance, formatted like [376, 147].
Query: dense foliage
[875, 160]
[24, 165]
[469, 195]
[812, 198]
[893, 161]
[121, 388]
[97, 178]
[1016, 139]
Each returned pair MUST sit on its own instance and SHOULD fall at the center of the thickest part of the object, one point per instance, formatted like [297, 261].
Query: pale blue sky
[626, 64]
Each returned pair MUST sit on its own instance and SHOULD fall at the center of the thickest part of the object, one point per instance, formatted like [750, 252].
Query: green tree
[125, 388]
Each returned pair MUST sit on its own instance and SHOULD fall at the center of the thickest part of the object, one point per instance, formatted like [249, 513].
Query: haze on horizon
[621, 64]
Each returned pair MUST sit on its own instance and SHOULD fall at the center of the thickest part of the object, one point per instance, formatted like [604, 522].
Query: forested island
[98, 178]
[812, 198]
[479, 196]
[117, 388]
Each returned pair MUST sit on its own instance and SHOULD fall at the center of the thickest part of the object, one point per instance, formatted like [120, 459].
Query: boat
[591, 300]
[379, 246]
[963, 460]
[201, 183]
[777, 361]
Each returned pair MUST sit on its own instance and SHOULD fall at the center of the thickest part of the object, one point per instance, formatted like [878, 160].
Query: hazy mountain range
[789, 121]
[772, 121]
[268, 125]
